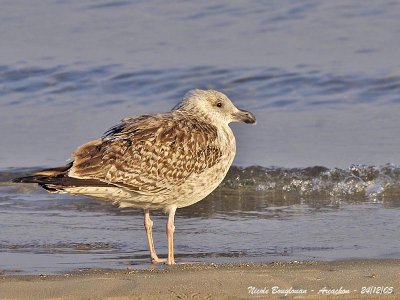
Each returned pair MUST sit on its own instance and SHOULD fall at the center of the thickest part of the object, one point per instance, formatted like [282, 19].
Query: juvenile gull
[162, 161]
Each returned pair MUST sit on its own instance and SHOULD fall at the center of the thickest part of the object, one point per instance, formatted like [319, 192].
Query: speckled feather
[151, 153]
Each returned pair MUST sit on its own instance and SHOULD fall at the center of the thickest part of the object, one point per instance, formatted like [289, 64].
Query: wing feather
[149, 154]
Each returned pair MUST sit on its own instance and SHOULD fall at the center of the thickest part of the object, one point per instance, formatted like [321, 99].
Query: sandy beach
[352, 279]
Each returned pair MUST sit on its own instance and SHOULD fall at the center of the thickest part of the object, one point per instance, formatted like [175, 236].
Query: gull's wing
[149, 154]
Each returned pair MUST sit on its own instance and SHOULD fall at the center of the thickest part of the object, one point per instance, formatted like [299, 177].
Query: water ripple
[270, 87]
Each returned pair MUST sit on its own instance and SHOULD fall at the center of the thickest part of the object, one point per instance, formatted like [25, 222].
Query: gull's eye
[219, 104]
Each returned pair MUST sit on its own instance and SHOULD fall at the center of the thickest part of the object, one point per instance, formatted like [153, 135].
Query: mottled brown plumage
[150, 154]
[162, 161]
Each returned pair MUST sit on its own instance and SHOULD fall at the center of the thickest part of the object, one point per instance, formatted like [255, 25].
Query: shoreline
[344, 279]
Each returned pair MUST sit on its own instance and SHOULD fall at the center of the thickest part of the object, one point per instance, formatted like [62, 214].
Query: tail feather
[43, 175]
[28, 179]
[56, 179]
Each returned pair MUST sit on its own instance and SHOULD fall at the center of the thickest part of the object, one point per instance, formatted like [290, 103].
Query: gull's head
[215, 106]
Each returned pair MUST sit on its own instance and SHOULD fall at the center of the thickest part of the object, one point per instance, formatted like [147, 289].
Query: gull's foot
[170, 262]
[157, 260]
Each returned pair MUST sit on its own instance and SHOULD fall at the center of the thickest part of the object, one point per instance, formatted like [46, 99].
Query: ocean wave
[372, 183]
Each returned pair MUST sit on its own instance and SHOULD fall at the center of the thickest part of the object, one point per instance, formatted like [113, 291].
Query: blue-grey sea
[318, 177]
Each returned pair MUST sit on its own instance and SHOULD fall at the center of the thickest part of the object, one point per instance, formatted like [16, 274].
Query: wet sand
[298, 280]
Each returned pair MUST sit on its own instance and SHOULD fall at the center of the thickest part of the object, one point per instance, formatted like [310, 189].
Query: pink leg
[148, 225]
[170, 235]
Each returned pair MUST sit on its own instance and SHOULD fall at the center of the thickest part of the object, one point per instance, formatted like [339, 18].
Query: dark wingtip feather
[43, 175]
[26, 179]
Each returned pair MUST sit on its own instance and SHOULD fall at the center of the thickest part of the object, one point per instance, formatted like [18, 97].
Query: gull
[152, 162]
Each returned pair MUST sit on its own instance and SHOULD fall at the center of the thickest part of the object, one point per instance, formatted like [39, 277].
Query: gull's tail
[44, 175]
[56, 179]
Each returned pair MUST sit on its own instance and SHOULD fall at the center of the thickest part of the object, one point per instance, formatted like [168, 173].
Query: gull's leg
[148, 225]
[170, 235]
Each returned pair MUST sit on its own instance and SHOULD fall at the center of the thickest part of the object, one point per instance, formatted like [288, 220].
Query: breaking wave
[372, 183]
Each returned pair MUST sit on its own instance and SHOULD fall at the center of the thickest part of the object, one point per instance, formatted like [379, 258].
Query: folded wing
[149, 154]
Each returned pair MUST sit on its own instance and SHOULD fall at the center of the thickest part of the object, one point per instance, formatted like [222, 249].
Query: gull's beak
[244, 116]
